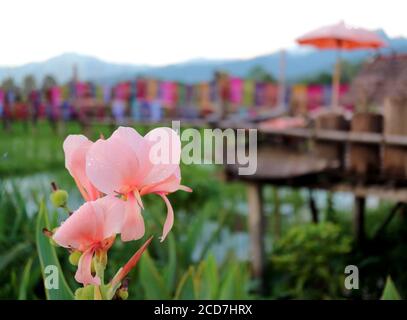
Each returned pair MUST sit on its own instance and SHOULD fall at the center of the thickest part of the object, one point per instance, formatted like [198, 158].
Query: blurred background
[324, 84]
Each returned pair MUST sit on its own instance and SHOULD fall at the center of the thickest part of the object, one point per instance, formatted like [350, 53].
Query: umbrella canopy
[341, 37]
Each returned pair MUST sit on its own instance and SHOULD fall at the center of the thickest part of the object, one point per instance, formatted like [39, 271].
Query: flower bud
[74, 257]
[59, 198]
[85, 293]
[78, 293]
[122, 294]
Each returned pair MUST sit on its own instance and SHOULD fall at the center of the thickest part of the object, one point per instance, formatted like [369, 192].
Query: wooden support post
[394, 157]
[313, 208]
[364, 158]
[256, 231]
[330, 211]
[359, 219]
[332, 151]
[282, 80]
[336, 81]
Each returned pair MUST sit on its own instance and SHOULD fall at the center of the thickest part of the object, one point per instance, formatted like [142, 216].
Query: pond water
[34, 187]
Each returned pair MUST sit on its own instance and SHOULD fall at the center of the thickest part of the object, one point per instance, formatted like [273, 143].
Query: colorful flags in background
[56, 96]
[1, 102]
[224, 87]
[214, 92]
[99, 93]
[315, 97]
[271, 95]
[141, 89]
[152, 90]
[299, 98]
[259, 94]
[147, 98]
[155, 111]
[236, 86]
[118, 109]
[237, 91]
[174, 94]
[327, 94]
[11, 97]
[167, 95]
[65, 92]
[189, 94]
[80, 89]
[107, 93]
[204, 96]
[248, 93]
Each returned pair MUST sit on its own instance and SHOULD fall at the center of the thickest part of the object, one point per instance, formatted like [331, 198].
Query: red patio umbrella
[341, 37]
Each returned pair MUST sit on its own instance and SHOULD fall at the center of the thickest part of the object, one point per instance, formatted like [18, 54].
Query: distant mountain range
[300, 63]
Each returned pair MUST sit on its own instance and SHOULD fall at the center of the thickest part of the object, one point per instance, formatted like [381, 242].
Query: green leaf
[48, 256]
[19, 209]
[151, 280]
[229, 284]
[25, 279]
[209, 284]
[170, 271]
[233, 285]
[13, 253]
[186, 286]
[390, 292]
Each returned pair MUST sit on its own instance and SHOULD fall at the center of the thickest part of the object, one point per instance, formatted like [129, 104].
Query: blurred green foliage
[309, 259]
[258, 73]
[19, 266]
[202, 257]
[348, 72]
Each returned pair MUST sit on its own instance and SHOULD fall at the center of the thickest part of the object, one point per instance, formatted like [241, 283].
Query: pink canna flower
[91, 230]
[131, 165]
[75, 149]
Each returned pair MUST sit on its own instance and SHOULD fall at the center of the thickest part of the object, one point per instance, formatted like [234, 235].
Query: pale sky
[159, 32]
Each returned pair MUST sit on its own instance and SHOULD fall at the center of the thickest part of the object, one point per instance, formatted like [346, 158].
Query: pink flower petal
[133, 224]
[138, 145]
[169, 221]
[168, 185]
[75, 149]
[92, 223]
[131, 137]
[80, 230]
[83, 274]
[112, 210]
[112, 166]
[164, 154]
[185, 188]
